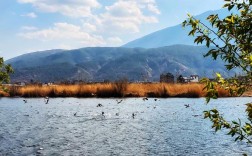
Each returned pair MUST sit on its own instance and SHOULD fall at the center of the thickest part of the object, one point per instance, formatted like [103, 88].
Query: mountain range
[172, 35]
[114, 63]
[144, 59]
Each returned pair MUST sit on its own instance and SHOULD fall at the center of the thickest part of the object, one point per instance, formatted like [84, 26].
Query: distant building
[167, 78]
[47, 84]
[180, 79]
[192, 78]
[20, 83]
[186, 79]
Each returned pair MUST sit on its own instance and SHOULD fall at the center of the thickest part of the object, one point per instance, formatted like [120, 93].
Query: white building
[194, 78]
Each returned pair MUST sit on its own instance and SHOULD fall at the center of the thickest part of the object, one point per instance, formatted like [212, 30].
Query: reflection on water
[71, 126]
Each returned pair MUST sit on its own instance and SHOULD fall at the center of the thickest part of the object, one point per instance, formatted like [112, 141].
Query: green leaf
[230, 7]
[214, 111]
[218, 75]
[233, 31]
[234, 122]
[237, 138]
[207, 99]
[208, 43]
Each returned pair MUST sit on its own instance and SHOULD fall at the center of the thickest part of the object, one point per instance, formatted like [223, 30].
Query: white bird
[46, 100]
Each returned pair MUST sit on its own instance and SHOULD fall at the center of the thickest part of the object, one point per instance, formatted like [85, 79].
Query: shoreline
[18, 97]
[113, 90]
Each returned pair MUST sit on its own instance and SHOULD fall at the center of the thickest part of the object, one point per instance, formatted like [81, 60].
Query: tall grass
[118, 89]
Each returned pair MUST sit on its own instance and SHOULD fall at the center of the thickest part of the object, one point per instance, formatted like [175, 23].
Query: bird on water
[99, 105]
[103, 114]
[133, 115]
[46, 100]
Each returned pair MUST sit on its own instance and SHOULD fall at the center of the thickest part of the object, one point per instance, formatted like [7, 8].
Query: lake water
[72, 126]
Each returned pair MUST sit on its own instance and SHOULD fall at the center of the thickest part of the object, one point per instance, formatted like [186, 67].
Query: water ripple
[77, 127]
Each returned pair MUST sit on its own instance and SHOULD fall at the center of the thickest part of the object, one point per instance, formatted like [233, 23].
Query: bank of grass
[120, 89]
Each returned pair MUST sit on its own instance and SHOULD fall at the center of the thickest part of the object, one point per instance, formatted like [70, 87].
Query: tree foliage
[5, 71]
[230, 39]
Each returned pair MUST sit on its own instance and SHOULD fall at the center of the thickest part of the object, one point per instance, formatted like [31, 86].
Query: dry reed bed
[119, 89]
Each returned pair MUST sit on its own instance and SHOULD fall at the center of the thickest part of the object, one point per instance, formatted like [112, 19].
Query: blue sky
[33, 25]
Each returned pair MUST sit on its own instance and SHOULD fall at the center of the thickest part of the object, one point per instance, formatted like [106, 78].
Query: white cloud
[122, 16]
[64, 32]
[29, 28]
[31, 15]
[153, 8]
[125, 16]
[106, 28]
[73, 8]
[124, 9]
[114, 41]
[145, 1]
[64, 46]
[89, 27]
[96, 40]
[26, 1]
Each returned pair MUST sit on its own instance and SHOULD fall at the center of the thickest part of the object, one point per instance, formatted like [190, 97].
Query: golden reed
[120, 89]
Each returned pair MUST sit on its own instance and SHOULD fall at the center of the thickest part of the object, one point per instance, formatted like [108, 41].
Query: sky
[36, 25]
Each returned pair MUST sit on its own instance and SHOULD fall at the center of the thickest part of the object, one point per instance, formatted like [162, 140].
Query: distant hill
[99, 64]
[171, 35]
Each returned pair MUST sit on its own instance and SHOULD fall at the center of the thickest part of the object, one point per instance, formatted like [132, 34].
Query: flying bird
[145, 98]
[187, 105]
[118, 102]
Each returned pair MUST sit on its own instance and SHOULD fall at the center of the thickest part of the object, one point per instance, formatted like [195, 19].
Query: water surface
[161, 127]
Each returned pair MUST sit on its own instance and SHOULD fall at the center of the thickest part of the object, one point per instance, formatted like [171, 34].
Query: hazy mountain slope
[28, 60]
[98, 64]
[171, 35]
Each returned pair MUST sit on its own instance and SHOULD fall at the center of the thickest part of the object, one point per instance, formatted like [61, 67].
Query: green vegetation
[100, 63]
[235, 33]
[5, 71]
